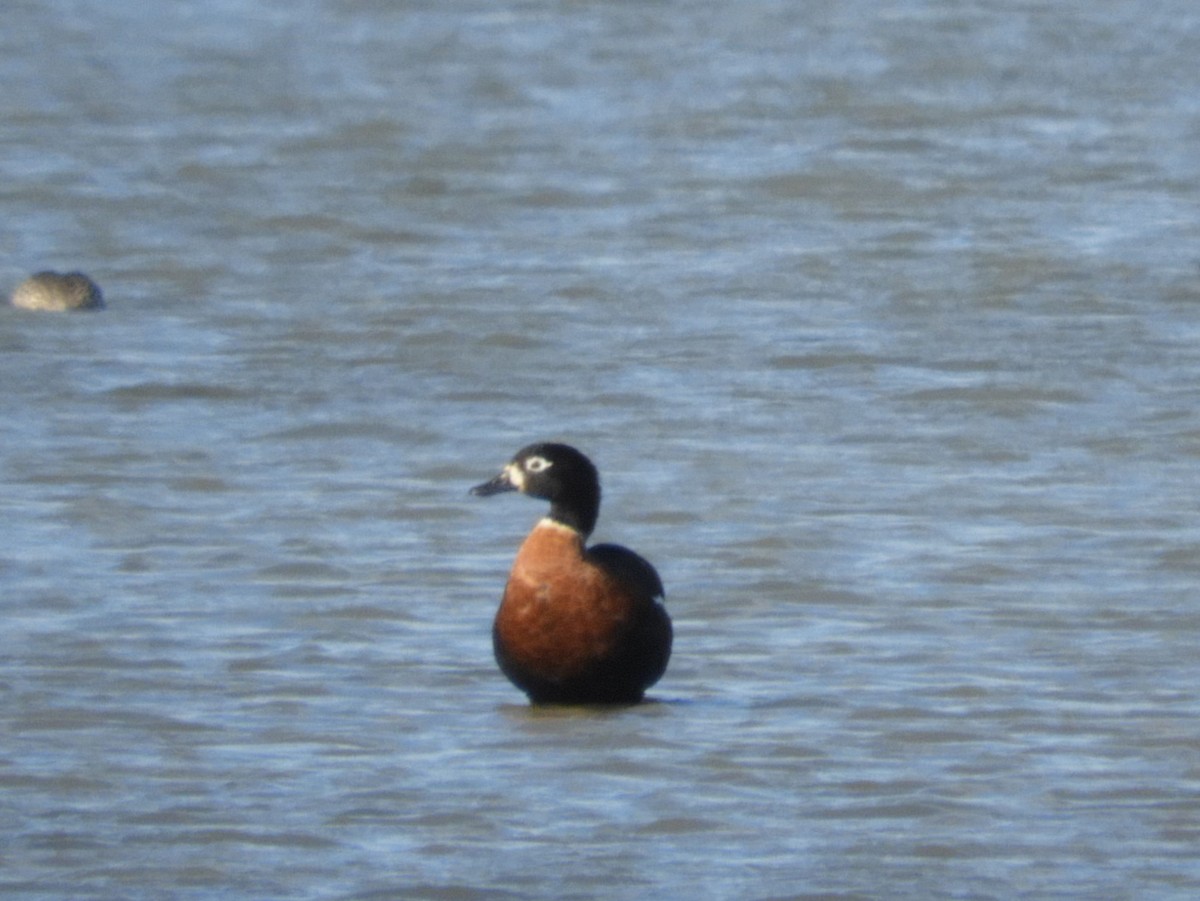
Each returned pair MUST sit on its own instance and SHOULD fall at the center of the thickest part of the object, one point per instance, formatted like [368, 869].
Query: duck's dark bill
[497, 485]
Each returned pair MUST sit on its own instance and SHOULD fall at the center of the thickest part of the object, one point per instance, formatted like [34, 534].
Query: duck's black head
[557, 473]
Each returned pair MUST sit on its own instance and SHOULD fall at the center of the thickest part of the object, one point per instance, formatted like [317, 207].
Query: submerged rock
[56, 291]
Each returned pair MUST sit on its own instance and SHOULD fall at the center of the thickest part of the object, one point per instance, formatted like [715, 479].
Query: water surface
[881, 323]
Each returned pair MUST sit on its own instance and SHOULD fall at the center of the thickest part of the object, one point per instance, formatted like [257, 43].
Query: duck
[55, 291]
[576, 624]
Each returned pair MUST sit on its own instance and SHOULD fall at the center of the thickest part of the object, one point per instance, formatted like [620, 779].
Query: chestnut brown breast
[571, 629]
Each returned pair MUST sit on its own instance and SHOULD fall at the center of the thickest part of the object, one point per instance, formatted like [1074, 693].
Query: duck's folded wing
[629, 567]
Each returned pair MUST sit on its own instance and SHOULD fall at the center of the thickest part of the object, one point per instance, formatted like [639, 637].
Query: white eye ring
[537, 464]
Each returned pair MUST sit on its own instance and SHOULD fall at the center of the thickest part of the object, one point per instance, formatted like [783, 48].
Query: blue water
[881, 323]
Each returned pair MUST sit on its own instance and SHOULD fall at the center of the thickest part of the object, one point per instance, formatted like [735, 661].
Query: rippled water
[882, 323]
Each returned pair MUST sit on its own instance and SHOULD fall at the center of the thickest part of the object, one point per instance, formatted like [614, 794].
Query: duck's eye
[537, 464]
